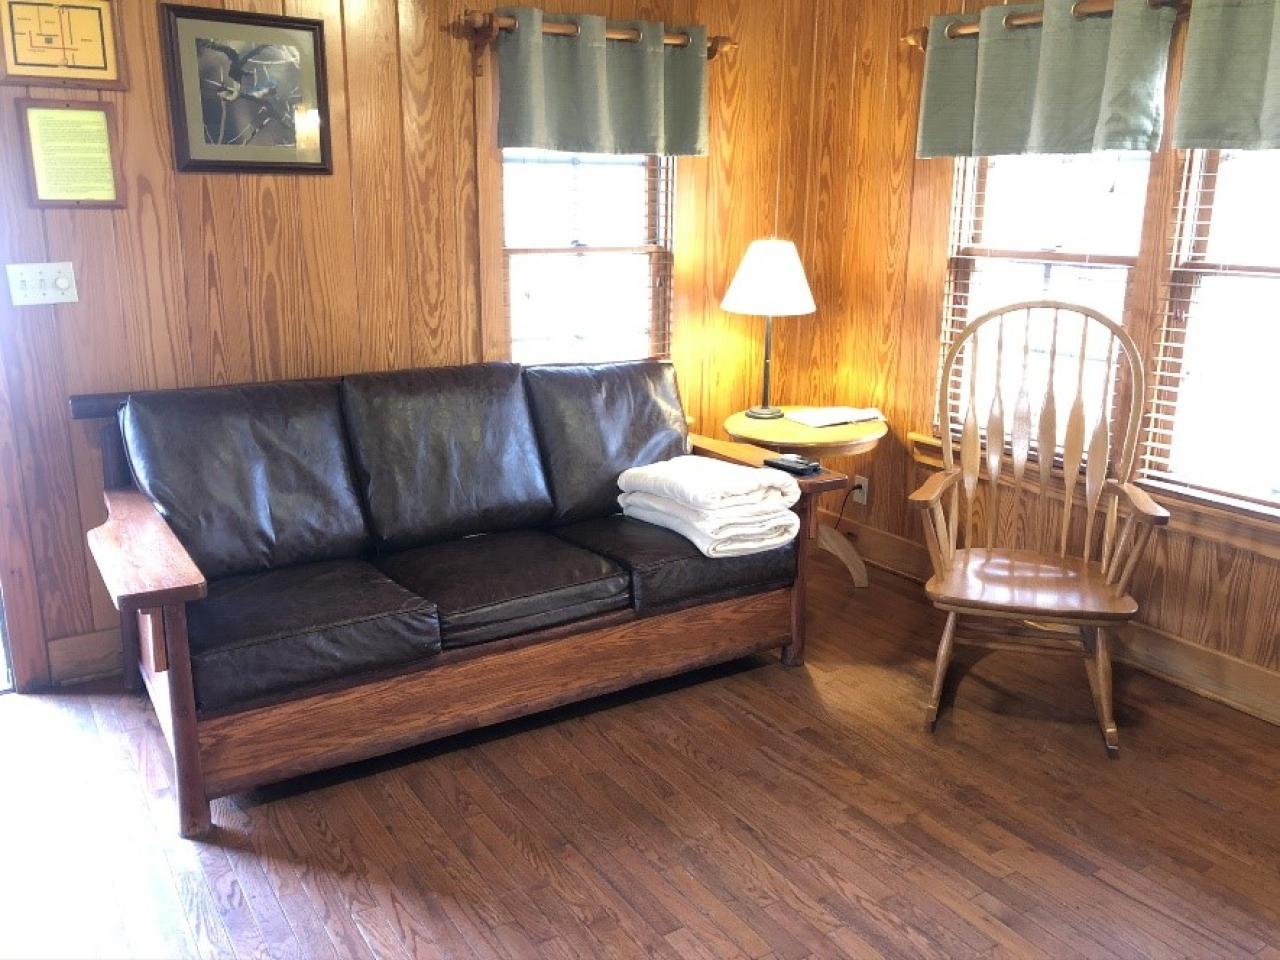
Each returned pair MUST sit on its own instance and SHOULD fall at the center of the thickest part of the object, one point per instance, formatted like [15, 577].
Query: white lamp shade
[770, 282]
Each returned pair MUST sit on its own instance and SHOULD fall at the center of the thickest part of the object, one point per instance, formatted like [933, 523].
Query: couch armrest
[750, 456]
[140, 559]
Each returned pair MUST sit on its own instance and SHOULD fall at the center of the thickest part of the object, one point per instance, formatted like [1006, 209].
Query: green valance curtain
[587, 94]
[1069, 86]
[1230, 94]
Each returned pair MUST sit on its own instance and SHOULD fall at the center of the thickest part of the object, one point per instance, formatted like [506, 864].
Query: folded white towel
[715, 519]
[706, 483]
[732, 539]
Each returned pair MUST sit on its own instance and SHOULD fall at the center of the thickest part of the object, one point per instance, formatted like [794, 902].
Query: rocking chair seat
[1026, 582]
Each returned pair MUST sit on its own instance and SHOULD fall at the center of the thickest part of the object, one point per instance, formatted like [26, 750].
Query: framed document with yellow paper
[71, 161]
[70, 43]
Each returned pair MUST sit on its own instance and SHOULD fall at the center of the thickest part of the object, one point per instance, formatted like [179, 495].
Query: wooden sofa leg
[129, 646]
[194, 820]
[193, 804]
[793, 652]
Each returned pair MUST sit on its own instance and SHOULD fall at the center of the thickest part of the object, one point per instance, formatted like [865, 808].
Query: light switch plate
[37, 284]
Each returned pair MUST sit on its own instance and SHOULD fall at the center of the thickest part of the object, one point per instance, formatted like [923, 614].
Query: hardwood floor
[752, 811]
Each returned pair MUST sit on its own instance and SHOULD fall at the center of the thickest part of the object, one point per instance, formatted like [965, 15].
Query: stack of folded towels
[726, 510]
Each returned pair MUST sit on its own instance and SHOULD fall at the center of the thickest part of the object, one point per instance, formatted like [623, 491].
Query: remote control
[794, 463]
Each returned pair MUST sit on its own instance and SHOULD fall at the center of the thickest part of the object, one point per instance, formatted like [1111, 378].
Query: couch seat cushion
[263, 635]
[667, 569]
[502, 584]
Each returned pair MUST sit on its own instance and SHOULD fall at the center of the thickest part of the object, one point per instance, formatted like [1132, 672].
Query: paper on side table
[833, 416]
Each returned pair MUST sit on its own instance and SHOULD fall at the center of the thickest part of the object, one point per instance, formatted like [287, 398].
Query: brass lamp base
[765, 413]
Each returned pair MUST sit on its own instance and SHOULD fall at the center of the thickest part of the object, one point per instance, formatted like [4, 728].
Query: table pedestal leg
[833, 541]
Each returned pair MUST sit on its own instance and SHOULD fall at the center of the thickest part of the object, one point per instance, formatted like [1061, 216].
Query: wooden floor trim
[84, 656]
[1245, 686]
[885, 550]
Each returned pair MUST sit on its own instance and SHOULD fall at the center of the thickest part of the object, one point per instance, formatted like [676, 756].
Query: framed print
[69, 43]
[69, 147]
[247, 91]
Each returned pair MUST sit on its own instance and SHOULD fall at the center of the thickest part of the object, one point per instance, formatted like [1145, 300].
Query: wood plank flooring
[750, 811]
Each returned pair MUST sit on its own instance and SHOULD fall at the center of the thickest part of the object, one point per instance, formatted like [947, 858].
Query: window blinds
[1214, 390]
[588, 255]
[1039, 228]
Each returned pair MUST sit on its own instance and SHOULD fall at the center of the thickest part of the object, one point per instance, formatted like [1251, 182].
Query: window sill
[1246, 526]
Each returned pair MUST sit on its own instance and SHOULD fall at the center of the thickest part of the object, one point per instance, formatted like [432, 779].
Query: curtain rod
[919, 37]
[482, 28]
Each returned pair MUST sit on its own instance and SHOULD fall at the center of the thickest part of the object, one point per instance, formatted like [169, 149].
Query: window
[1041, 228]
[1216, 391]
[588, 255]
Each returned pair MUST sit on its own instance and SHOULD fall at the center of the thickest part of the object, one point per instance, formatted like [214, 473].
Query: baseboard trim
[885, 550]
[85, 656]
[1245, 686]
[1217, 676]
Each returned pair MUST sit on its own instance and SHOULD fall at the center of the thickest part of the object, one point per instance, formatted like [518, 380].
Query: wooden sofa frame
[151, 578]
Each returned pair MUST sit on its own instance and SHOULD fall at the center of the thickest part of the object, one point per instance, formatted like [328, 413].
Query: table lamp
[770, 282]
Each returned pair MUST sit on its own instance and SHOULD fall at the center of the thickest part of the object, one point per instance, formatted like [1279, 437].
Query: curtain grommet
[1005, 22]
[948, 33]
[1075, 11]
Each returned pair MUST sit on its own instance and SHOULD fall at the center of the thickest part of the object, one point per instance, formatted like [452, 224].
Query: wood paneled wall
[214, 279]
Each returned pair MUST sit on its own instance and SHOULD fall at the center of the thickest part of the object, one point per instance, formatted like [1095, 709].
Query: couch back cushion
[594, 421]
[444, 453]
[250, 477]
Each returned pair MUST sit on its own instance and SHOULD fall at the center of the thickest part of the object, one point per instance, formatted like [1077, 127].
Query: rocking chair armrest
[139, 556]
[931, 490]
[1145, 509]
[747, 455]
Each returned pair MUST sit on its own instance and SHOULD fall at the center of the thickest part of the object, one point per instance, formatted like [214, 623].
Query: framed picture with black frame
[247, 91]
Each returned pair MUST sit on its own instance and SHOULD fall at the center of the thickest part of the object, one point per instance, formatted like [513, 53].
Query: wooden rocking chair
[1038, 570]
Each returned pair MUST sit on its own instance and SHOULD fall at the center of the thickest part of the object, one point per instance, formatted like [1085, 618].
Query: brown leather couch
[313, 572]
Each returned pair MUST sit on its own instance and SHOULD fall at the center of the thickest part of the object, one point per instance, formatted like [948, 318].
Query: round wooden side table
[843, 440]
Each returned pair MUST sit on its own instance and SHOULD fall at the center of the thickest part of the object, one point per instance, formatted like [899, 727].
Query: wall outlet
[36, 284]
[861, 489]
